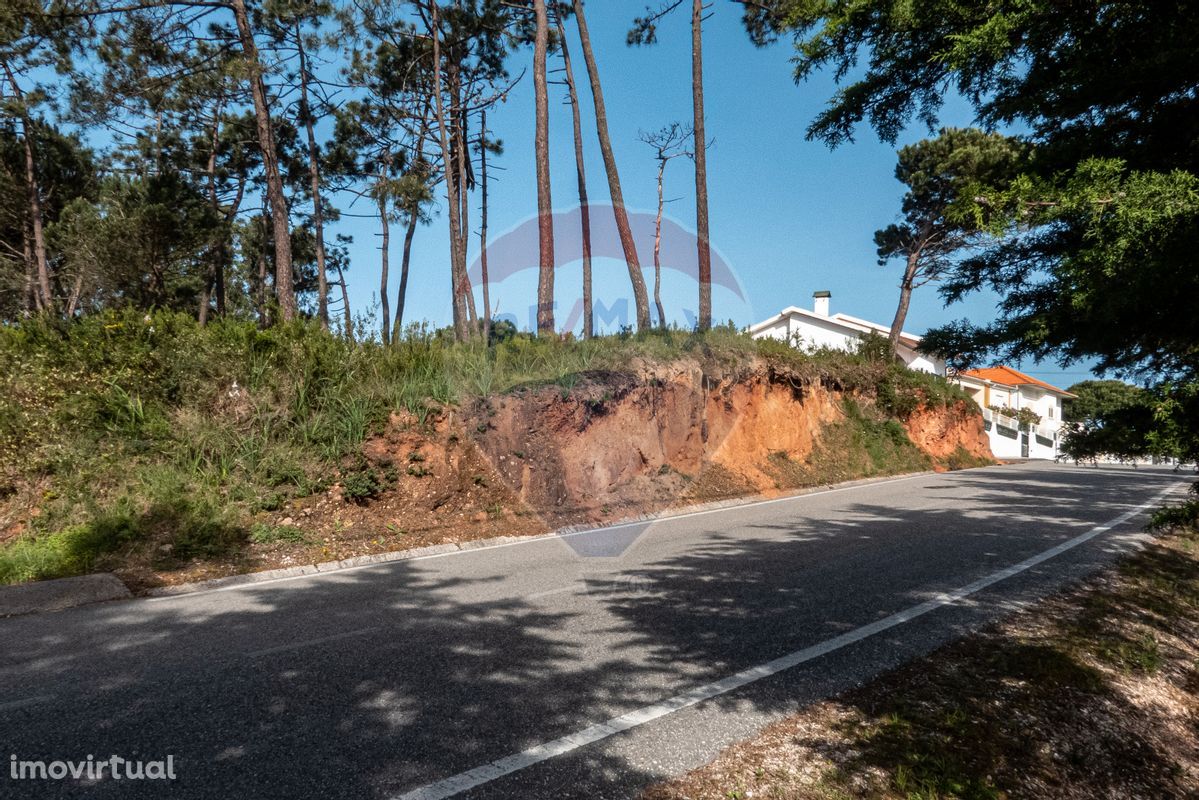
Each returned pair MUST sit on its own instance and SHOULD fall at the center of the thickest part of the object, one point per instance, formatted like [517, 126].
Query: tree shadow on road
[372, 682]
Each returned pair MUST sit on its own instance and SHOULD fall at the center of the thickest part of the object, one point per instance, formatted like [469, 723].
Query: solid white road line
[455, 784]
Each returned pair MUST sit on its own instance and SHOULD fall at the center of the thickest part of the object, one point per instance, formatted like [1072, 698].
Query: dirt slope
[615, 444]
[609, 445]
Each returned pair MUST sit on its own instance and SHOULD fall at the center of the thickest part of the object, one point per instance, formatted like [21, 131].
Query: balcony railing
[1010, 421]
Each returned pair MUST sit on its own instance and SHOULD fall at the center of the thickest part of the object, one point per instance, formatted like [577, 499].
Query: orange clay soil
[611, 445]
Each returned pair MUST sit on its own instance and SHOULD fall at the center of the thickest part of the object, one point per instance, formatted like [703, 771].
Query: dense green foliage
[1184, 515]
[931, 233]
[1097, 398]
[1117, 420]
[1093, 237]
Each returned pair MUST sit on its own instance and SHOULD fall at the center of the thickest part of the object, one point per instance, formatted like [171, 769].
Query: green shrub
[961, 458]
[1184, 516]
[71, 551]
[361, 485]
[262, 533]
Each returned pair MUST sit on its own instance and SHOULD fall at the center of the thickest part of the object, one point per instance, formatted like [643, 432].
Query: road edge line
[515, 762]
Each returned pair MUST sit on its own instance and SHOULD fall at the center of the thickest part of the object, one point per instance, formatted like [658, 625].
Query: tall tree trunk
[33, 298]
[581, 174]
[463, 147]
[219, 284]
[383, 302]
[483, 227]
[701, 167]
[260, 293]
[314, 179]
[905, 299]
[545, 205]
[281, 225]
[33, 196]
[214, 265]
[460, 325]
[640, 297]
[397, 327]
[345, 303]
[74, 297]
[658, 247]
[418, 161]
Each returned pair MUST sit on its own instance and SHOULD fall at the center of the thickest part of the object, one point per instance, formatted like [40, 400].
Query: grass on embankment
[1092, 693]
[119, 431]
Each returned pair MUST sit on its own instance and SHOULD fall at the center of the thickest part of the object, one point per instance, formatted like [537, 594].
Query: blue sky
[790, 216]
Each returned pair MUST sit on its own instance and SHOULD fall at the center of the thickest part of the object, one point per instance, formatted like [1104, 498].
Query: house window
[1051, 412]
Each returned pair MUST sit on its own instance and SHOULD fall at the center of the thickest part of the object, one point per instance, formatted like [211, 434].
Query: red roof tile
[1012, 377]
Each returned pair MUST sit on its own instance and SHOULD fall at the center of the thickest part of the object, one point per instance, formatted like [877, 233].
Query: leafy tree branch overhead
[1090, 241]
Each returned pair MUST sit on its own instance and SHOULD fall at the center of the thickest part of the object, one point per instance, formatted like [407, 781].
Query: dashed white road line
[574, 587]
[456, 784]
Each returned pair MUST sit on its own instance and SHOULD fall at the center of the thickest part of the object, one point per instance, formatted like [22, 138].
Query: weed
[362, 485]
[1185, 515]
[263, 533]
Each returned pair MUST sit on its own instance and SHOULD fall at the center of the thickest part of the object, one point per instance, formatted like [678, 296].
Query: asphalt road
[375, 682]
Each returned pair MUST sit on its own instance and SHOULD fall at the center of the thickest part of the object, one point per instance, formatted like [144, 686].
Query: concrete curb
[61, 593]
[266, 576]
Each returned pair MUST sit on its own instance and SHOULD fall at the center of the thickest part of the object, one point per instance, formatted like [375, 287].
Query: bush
[71, 551]
[361, 485]
[262, 533]
[1184, 516]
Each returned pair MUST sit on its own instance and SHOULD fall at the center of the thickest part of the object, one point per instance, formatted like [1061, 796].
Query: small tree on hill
[932, 232]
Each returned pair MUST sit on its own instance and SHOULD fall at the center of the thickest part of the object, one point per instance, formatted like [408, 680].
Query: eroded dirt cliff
[614, 444]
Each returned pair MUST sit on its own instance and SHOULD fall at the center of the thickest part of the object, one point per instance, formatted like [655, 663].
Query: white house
[816, 329]
[1003, 392]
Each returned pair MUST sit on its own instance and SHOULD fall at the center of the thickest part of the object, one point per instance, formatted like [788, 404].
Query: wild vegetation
[1079, 206]
[122, 425]
[1114, 419]
[171, 172]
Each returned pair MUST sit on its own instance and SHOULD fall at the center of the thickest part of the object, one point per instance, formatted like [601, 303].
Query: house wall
[1008, 440]
[921, 362]
[1049, 406]
[814, 334]
[1045, 404]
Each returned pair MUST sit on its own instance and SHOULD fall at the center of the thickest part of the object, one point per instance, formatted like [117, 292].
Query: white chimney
[820, 301]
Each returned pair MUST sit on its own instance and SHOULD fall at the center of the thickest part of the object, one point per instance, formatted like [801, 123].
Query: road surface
[585, 666]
